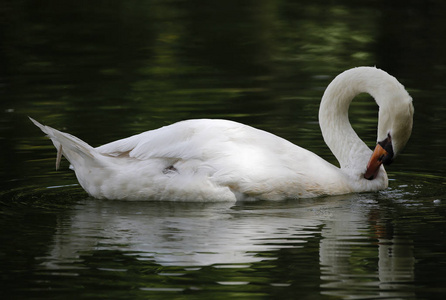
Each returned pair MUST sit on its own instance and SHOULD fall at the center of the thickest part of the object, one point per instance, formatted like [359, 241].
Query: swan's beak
[375, 162]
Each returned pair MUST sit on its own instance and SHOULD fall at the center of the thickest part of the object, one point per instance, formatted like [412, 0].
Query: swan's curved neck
[333, 113]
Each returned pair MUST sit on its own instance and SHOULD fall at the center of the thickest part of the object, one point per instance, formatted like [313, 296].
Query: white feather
[220, 160]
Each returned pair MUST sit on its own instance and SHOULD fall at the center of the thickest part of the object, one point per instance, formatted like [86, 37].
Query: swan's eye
[387, 145]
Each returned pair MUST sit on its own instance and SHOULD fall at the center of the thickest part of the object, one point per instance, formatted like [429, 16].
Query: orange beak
[375, 162]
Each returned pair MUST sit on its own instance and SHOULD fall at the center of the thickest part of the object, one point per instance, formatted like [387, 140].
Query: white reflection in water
[355, 252]
[181, 235]
[351, 240]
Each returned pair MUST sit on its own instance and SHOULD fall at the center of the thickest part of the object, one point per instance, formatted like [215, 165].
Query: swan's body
[219, 160]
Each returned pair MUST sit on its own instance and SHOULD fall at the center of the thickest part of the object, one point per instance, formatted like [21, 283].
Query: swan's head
[394, 127]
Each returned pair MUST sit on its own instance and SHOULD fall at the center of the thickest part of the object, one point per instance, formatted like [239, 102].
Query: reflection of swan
[350, 241]
[182, 235]
[224, 160]
[268, 242]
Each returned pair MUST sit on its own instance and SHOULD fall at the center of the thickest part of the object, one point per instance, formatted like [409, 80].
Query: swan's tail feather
[73, 148]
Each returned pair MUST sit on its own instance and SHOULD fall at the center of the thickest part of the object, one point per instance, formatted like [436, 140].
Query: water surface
[104, 71]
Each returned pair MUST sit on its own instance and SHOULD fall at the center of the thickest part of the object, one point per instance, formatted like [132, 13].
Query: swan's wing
[192, 139]
[228, 142]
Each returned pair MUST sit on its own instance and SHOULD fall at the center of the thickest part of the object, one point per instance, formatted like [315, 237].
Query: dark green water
[104, 70]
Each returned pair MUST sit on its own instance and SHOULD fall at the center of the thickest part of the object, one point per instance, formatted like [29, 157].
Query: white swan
[219, 160]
